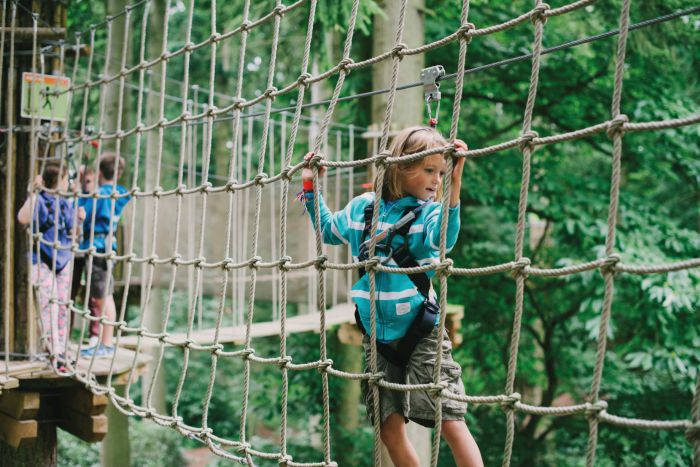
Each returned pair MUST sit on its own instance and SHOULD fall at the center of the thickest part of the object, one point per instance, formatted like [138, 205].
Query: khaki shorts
[417, 406]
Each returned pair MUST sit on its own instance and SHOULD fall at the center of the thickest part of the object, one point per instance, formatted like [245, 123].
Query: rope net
[176, 247]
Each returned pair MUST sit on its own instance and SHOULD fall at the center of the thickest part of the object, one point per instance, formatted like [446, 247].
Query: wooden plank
[83, 401]
[89, 428]
[339, 314]
[18, 433]
[20, 405]
[7, 383]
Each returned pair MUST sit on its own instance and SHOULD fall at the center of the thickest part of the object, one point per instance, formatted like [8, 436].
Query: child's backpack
[45, 220]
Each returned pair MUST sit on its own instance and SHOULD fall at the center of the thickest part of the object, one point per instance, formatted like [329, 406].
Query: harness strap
[402, 256]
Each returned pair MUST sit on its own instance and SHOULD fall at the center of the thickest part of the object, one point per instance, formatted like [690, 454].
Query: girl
[54, 316]
[406, 306]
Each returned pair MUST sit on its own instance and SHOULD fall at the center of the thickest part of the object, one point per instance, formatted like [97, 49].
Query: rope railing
[246, 256]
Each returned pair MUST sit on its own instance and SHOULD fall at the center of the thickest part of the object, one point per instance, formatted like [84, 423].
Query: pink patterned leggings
[54, 316]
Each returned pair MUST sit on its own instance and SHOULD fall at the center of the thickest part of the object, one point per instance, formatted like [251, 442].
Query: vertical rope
[323, 131]
[447, 191]
[526, 148]
[615, 132]
[135, 177]
[269, 96]
[284, 360]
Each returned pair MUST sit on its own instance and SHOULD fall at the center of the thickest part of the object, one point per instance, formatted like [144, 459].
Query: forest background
[653, 351]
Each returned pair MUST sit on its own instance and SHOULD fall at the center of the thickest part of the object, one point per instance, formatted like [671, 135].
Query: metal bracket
[431, 87]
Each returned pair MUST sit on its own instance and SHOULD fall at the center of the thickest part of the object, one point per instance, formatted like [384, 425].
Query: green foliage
[652, 355]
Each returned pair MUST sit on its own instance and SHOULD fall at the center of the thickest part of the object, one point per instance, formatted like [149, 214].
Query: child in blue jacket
[102, 216]
[410, 192]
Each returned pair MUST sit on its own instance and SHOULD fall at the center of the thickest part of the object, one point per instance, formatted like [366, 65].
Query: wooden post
[351, 360]
[115, 446]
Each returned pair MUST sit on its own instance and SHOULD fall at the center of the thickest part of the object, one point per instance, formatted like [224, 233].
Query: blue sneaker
[100, 350]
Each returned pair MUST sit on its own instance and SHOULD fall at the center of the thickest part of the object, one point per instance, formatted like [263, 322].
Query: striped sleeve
[433, 220]
[334, 226]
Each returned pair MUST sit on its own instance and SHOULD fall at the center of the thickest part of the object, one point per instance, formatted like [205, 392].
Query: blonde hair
[409, 141]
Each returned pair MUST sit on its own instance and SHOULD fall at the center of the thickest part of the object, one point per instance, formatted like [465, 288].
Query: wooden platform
[339, 314]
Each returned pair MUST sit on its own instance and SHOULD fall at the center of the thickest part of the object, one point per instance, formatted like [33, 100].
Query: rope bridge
[250, 259]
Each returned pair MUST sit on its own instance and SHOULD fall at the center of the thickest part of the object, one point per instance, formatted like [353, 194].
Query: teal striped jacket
[398, 300]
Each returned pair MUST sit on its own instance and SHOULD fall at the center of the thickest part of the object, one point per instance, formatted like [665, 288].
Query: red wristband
[307, 185]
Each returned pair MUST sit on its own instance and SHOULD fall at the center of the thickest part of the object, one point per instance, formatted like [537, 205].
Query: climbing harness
[399, 352]
[431, 89]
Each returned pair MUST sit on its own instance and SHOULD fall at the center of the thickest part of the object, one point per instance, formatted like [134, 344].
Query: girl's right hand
[307, 173]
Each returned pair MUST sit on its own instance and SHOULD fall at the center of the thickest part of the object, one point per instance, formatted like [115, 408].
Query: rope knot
[243, 447]
[398, 49]
[303, 79]
[175, 260]
[189, 46]
[269, 92]
[465, 31]
[285, 361]
[157, 192]
[179, 191]
[520, 267]
[259, 179]
[152, 260]
[228, 264]
[344, 65]
[231, 186]
[526, 140]
[129, 258]
[324, 365]
[284, 261]
[445, 267]
[615, 126]
[320, 262]
[253, 262]
[609, 263]
[595, 408]
[692, 433]
[216, 349]
[238, 103]
[197, 263]
[372, 263]
[315, 160]
[375, 378]
[279, 10]
[246, 26]
[435, 390]
[247, 353]
[539, 13]
[215, 37]
[510, 401]
[284, 459]
[284, 174]
[205, 187]
[380, 159]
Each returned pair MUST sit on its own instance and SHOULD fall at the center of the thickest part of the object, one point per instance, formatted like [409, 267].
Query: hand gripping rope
[431, 88]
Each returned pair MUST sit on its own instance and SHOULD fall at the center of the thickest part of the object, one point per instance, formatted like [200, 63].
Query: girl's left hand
[459, 161]
[457, 168]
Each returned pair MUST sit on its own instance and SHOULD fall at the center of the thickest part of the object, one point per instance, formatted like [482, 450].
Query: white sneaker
[93, 342]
